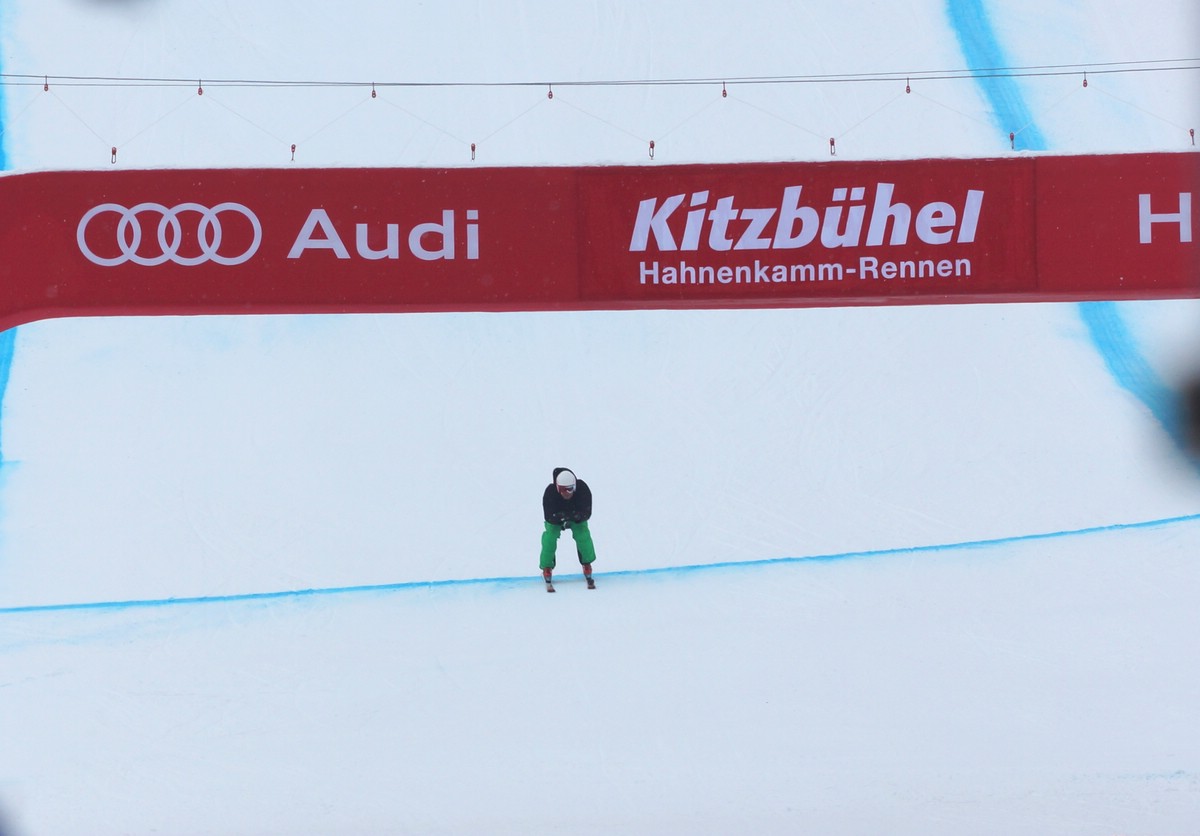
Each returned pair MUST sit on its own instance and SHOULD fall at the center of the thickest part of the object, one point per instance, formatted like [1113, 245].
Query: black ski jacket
[558, 510]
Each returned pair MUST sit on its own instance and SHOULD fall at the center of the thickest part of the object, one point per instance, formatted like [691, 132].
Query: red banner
[740, 235]
[1119, 227]
[804, 233]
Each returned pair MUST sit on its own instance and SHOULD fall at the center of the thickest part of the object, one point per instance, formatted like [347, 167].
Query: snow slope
[915, 571]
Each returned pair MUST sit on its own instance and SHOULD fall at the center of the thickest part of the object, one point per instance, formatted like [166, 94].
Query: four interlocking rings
[170, 234]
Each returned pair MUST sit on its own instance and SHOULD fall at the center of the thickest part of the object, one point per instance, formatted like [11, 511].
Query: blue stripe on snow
[1108, 332]
[7, 338]
[1128, 366]
[982, 50]
[535, 580]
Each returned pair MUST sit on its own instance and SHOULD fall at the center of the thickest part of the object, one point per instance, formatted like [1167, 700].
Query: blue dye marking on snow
[3, 109]
[527, 581]
[983, 52]
[8, 341]
[1128, 367]
[1109, 335]
[7, 338]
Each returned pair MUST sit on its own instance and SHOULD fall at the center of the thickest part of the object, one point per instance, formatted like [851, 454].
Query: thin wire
[1076, 70]
[520, 115]
[687, 119]
[1076, 89]
[423, 120]
[599, 119]
[217, 101]
[921, 95]
[10, 120]
[182, 104]
[872, 114]
[1158, 116]
[333, 121]
[80, 119]
[1109, 67]
[782, 119]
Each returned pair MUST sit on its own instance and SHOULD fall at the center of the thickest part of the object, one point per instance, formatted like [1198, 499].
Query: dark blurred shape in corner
[1189, 423]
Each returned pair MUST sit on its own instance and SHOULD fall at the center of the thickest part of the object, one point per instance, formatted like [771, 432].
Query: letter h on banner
[1146, 218]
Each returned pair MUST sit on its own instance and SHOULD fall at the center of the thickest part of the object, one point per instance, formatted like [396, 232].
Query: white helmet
[565, 479]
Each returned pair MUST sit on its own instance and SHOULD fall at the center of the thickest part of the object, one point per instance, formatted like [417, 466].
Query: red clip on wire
[832, 147]
[200, 87]
[114, 154]
[908, 85]
[724, 92]
[652, 149]
[550, 91]
[1085, 79]
[472, 150]
[372, 89]
[1192, 131]
[46, 84]
[293, 152]
[1012, 140]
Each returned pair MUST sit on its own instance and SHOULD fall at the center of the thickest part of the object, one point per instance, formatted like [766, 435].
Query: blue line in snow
[1108, 332]
[7, 338]
[8, 343]
[524, 580]
[982, 50]
[1128, 366]
[3, 105]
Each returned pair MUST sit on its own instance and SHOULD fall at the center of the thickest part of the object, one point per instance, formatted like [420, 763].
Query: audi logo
[170, 234]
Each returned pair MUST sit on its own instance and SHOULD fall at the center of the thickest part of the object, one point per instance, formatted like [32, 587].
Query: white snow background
[914, 570]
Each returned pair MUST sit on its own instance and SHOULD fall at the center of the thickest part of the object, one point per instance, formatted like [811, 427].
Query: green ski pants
[583, 543]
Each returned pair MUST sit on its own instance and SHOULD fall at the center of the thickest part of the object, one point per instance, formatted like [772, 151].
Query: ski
[591, 583]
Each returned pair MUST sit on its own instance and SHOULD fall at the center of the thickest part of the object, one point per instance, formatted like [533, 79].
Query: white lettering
[751, 239]
[392, 250]
[790, 211]
[427, 241]
[1146, 218]
[695, 223]
[883, 211]
[935, 223]
[870, 267]
[472, 234]
[830, 236]
[651, 220]
[829, 273]
[331, 241]
[849, 220]
[970, 221]
[719, 218]
[445, 230]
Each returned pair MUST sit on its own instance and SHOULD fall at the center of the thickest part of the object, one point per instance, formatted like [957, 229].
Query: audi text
[427, 241]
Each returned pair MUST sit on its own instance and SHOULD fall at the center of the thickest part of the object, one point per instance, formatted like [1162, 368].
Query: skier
[567, 504]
